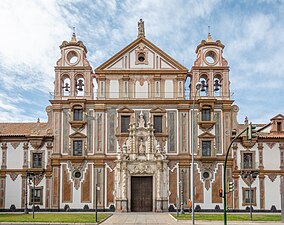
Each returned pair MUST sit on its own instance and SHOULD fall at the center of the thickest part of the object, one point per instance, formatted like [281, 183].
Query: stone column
[124, 203]
[158, 188]
[4, 156]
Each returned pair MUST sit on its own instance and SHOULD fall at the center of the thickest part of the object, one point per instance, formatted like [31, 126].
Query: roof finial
[141, 29]
[74, 39]
[209, 38]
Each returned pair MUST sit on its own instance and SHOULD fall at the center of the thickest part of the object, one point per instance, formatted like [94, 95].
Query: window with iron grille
[37, 160]
[206, 115]
[206, 148]
[158, 124]
[78, 114]
[77, 147]
[125, 120]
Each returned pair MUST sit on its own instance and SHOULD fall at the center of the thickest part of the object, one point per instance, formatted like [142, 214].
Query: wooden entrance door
[141, 194]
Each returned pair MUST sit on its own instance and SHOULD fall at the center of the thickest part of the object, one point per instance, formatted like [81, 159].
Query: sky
[32, 30]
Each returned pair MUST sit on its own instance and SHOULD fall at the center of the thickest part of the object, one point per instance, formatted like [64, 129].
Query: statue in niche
[141, 122]
[141, 149]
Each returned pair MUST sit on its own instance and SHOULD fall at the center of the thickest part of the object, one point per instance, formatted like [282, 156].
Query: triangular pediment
[77, 135]
[278, 117]
[157, 110]
[125, 110]
[128, 59]
[206, 135]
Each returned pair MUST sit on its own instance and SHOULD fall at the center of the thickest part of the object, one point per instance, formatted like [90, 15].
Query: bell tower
[211, 70]
[73, 73]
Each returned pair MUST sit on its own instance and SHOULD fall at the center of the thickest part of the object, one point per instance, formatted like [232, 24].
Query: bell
[203, 85]
[217, 85]
[66, 87]
[80, 85]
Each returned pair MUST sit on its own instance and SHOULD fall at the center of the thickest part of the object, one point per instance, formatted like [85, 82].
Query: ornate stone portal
[141, 155]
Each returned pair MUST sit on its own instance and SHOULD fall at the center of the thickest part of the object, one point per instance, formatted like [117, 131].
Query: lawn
[230, 217]
[53, 217]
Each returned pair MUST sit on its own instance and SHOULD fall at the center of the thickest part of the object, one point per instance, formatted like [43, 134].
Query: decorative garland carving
[140, 168]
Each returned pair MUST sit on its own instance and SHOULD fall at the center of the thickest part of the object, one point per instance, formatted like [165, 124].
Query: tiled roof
[18, 129]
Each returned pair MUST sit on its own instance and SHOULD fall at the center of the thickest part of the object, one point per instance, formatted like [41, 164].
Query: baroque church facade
[127, 146]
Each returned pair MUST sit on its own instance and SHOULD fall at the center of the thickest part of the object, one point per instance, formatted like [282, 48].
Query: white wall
[271, 157]
[113, 89]
[141, 91]
[169, 89]
[15, 157]
[272, 193]
[13, 192]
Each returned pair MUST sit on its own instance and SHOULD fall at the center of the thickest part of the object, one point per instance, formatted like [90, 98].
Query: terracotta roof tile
[11, 129]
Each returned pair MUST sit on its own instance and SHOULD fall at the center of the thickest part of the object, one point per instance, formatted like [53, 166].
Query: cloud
[32, 31]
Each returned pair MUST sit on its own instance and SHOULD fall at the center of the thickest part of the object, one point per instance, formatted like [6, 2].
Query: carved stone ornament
[36, 143]
[247, 143]
[74, 169]
[140, 168]
[15, 144]
[246, 180]
[13, 175]
[270, 144]
[38, 179]
[272, 177]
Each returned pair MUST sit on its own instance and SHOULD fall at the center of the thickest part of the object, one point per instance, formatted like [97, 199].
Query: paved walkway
[165, 219]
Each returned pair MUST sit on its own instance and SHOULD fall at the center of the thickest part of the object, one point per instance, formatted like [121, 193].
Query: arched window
[204, 86]
[217, 85]
[80, 85]
[66, 86]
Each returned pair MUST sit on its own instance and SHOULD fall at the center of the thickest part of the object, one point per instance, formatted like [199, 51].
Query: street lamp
[197, 87]
[251, 175]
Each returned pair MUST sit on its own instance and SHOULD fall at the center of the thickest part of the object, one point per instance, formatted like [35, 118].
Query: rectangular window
[77, 148]
[247, 161]
[158, 124]
[102, 89]
[180, 89]
[78, 115]
[125, 88]
[279, 127]
[206, 115]
[37, 160]
[206, 148]
[247, 195]
[157, 88]
[125, 120]
[36, 195]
